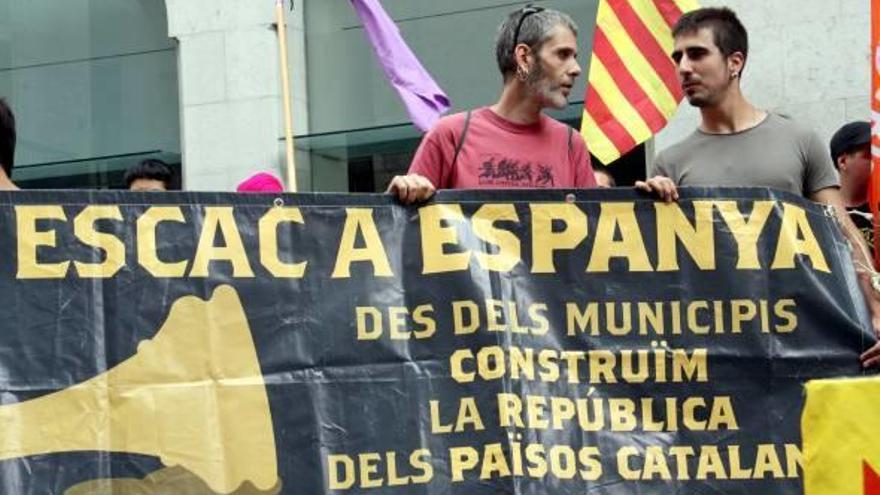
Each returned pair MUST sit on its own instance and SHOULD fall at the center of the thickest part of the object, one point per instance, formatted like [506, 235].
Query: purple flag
[424, 100]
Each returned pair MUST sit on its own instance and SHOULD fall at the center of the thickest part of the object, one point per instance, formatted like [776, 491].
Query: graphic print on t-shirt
[496, 170]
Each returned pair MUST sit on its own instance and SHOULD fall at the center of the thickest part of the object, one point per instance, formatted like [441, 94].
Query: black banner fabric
[521, 342]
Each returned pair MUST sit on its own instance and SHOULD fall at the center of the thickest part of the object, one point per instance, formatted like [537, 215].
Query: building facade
[97, 85]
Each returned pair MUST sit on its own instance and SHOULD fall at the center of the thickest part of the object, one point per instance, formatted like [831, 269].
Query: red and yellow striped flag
[632, 89]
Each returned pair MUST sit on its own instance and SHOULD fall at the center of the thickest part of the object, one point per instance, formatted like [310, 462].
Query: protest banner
[487, 342]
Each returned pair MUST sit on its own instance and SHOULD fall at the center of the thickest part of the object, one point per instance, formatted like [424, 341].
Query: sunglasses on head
[526, 11]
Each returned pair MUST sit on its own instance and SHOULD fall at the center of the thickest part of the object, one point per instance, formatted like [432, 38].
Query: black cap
[849, 137]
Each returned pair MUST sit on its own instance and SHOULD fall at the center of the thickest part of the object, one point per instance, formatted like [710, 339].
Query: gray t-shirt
[775, 153]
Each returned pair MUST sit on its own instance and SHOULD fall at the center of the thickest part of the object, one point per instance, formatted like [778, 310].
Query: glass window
[93, 85]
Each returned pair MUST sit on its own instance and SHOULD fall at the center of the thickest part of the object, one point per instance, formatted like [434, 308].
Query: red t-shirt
[501, 154]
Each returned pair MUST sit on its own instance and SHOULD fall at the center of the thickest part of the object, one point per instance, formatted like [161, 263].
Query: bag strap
[467, 123]
[570, 132]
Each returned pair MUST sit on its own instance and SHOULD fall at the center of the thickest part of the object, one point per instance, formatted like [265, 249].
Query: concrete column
[230, 90]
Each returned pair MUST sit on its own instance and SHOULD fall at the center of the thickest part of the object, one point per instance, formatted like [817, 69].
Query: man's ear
[522, 55]
[841, 163]
[735, 63]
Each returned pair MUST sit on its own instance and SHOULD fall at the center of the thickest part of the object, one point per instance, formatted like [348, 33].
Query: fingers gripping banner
[488, 342]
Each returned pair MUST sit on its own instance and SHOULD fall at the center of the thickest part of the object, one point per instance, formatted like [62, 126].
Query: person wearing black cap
[851, 153]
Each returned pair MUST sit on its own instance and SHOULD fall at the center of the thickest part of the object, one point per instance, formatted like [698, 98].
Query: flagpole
[285, 92]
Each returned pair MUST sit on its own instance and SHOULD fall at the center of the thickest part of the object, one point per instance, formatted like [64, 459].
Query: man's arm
[862, 259]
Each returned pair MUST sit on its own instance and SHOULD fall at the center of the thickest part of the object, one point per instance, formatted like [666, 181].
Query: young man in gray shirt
[738, 144]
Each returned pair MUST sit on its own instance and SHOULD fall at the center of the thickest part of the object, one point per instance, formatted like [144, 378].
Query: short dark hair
[728, 32]
[849, 138]
[535, 26]
[150, 169]
[7, 138]
[604, 171]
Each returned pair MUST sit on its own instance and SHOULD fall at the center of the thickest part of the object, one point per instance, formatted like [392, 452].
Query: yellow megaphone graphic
[193, 396]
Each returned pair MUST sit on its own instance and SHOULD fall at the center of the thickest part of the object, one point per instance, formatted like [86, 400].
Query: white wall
[230, 89]
[809, 59]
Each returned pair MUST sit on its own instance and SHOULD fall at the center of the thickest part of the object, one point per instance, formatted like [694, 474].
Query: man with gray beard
[510, 144]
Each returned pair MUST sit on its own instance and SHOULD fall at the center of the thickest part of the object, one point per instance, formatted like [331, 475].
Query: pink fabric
[261, 182]
[502, 154]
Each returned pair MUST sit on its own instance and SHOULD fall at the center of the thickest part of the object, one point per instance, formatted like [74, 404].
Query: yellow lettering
[794, 223]
[494, 462]
[421, 460]
[361, 220]
[697, 239]
[767, 461]
[30, 239]
[577, 321]
[457, 367]
[545, 241]
[347, 479]
[630, 246]
[746, 233]
[369, 466]
[220, 218]
[684, 366]
[790, 317]
[268, 228]
[508, 244]
[655, 464]
[84, 230]
[147, 246]
[435, 236]
[462, 459]
[623, 466]
[710, 462]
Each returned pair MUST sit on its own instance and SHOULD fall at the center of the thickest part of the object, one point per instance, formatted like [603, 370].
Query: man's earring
[521, 73]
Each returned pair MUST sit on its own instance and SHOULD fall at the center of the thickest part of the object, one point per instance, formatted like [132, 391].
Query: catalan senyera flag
[632, 88]
[840, 426]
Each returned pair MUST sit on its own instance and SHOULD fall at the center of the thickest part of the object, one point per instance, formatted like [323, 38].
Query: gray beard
[538, 83]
